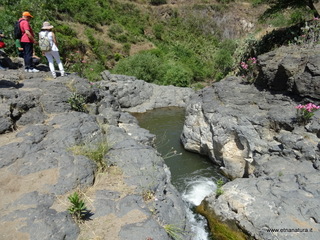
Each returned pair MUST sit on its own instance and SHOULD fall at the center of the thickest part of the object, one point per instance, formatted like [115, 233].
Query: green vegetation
[306, 112]
[174, 231]
[219, 190]
[77, 208]
[185, 45]
[148, 195]
[310, 33]
[219, 229]
[77, 102]
[181, 46]
[94, 151]
[279, 6]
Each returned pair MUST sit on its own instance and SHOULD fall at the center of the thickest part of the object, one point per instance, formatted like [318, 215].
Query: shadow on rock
[10, 84]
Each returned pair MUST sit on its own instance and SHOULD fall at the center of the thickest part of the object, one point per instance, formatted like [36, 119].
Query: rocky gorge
[249, 130]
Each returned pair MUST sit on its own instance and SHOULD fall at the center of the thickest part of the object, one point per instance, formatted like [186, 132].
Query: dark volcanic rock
[39, 169]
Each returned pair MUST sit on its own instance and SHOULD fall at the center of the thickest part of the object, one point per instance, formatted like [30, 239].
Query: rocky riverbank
[252, 132]
[131, 199]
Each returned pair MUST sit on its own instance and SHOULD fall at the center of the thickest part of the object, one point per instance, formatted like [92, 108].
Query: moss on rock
[220, 230]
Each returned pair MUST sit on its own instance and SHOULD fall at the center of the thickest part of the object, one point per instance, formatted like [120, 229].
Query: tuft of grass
[174, 231]
[95, 152]
[219, 190]
[148, 195]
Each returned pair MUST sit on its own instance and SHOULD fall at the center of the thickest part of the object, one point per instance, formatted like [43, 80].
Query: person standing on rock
[27, 40]
[53, 53]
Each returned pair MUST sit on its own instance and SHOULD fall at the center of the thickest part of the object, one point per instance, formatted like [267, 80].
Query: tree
[280, 5]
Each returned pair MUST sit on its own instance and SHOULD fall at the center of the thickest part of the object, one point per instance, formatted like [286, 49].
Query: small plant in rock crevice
[248, 69]
[77, 102]
[174, 231]
[305, 112]
[78, 208]
[310, 33]
[219, 190]
[148, 195]
[94, 151]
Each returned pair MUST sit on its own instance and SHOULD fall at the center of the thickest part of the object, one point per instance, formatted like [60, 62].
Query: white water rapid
[196, 190]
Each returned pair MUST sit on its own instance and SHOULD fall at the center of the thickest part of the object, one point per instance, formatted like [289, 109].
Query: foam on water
[196, 190]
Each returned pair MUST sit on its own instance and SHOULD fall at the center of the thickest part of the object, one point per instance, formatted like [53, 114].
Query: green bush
[114, 30]
[297, 16]
[158, 30]
[278, 20]
[223, 63]
[175, 73]
[144, 65]
[201, 69]
[92, 71]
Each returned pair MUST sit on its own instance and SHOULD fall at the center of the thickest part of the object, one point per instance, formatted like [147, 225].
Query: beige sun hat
[46, 26]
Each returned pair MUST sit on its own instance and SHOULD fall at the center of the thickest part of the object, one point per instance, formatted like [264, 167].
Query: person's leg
[51, 65]
[56, 56]
[27, 50]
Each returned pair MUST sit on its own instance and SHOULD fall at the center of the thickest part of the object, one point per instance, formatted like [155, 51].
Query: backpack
[17, 30]
[44, 43]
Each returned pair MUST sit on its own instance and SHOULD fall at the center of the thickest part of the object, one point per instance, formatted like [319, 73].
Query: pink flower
[253, 60]
[310, 107]
[244, 65]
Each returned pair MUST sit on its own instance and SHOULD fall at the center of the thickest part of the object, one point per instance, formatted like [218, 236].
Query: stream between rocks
[192, 174]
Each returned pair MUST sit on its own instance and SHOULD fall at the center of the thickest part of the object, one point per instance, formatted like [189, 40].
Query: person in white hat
[53, 53]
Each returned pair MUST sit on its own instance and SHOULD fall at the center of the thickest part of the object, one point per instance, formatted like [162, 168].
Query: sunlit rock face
[251, 131]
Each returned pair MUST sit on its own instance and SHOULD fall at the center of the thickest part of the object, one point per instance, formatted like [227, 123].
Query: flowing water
[192, 174]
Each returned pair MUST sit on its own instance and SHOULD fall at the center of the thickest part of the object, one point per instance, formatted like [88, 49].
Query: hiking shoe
[34, 70]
